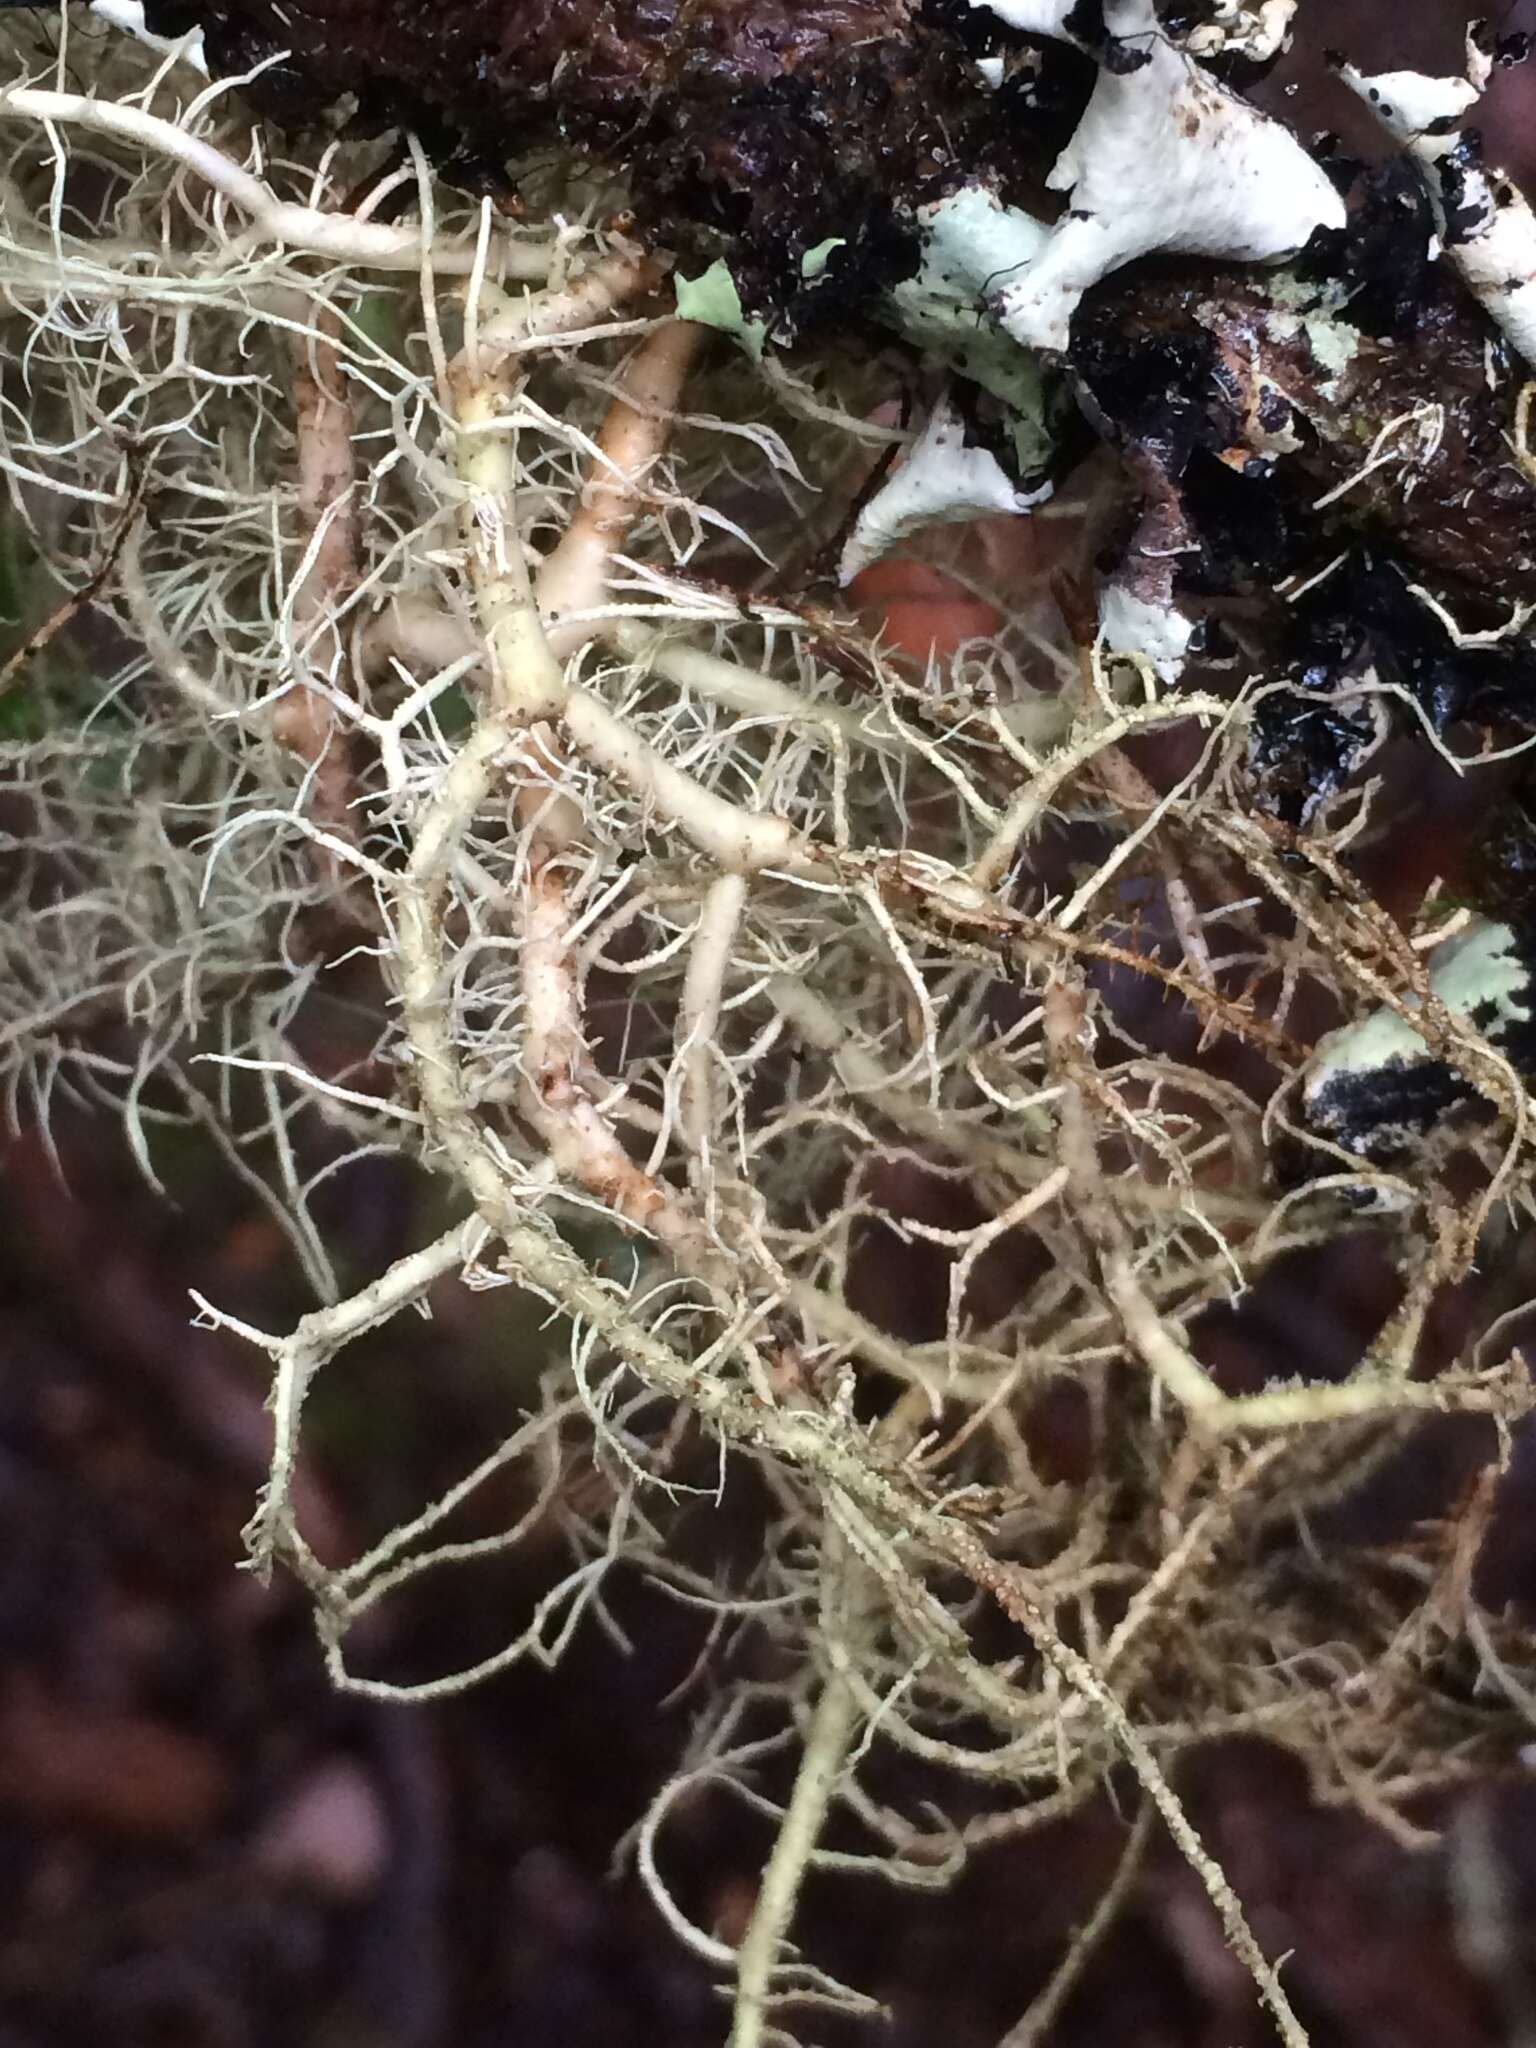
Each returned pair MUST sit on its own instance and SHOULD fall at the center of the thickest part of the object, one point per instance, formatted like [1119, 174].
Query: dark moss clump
[1315, 464]
[1503, 868]
[1302, 752]
[1382, 249]
[1181, 358]
[752, 129]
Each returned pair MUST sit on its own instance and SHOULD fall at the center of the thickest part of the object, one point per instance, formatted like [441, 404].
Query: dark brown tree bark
[745, 125]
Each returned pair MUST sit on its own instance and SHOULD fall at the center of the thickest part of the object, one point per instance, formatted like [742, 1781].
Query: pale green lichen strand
[713, 300]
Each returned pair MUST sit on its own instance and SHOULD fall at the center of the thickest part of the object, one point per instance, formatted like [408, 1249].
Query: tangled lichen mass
[434, 618]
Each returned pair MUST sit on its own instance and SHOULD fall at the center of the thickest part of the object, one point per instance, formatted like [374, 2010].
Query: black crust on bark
[1377, 1115]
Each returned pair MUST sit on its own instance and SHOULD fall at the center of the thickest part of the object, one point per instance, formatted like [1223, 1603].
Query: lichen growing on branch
[439, 621]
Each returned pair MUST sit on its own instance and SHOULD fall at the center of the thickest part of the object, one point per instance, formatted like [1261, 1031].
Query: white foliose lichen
[1256, 30]
[1156, 631]
[1487, 226]
[1035, 17]
[1164, 158]
[946, 477]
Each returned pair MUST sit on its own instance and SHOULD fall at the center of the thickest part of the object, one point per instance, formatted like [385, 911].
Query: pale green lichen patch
[972, 243]
[1479, 974]
[1298, 306]
[814, 262]
[713, 300]
[1335, 343]
[976, 242]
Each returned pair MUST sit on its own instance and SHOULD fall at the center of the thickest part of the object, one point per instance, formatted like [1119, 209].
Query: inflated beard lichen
[949, 474]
